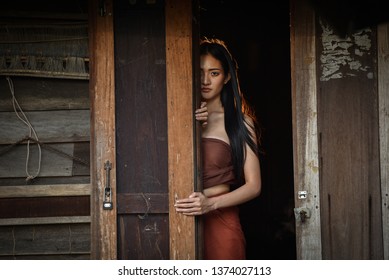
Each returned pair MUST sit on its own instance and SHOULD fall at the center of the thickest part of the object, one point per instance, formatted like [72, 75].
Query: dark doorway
[259, 40]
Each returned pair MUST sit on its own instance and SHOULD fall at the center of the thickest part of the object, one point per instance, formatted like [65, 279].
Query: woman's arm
[216, 190]
[197, 203]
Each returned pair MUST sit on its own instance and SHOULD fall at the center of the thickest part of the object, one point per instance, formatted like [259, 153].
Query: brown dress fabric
[223, 235]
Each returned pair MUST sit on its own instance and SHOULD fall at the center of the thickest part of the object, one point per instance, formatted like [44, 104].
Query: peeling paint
[313, 167]
[339, 56]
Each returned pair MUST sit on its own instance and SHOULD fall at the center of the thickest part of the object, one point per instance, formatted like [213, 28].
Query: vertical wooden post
[383, 106]
[305, 138]
[102, 94]
[179, 68]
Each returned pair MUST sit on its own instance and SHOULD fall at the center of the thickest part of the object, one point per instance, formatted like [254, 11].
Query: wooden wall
[349, 144]
[347, 78]
[47, 215]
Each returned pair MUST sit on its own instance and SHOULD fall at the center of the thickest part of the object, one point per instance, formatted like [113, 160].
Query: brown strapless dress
[223, 235]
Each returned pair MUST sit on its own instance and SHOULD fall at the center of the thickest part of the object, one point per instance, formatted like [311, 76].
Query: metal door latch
[107, 202]
[302, 194]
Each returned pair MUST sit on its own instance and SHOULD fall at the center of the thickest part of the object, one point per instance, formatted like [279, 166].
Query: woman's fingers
[190, 205]
[192, 200]
[202, 112]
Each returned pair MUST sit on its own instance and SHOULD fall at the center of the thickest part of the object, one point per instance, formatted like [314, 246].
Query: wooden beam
[142, 203]
[383, 107]
[44, 16]
[102, 93]
[45, 190]
[305, 137]
[13, 163]
[180, 124]
[50, 126]
[45, 221]
[45, 94]
[54, 238]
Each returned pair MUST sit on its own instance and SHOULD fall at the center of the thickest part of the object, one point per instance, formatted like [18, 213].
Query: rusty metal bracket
[302, 213]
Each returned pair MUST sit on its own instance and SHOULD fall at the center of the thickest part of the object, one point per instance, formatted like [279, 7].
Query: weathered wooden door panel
[146, 235]
[337, 165]
[349, 148]
[141, 130]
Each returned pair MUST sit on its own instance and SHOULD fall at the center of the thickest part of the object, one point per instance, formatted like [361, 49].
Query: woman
[231, 168]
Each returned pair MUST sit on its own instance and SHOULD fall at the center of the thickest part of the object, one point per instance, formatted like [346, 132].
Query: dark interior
[257, 34]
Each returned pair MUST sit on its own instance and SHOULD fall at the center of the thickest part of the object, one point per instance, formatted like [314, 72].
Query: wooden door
[141, 131]
[349, 146]
[341, 210]
[154, 128]
[148, 109]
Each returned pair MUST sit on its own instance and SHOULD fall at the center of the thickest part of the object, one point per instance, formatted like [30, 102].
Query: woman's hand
[201, 114]
[196, 204]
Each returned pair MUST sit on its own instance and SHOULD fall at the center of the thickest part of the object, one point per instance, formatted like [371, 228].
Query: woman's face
[213, 77]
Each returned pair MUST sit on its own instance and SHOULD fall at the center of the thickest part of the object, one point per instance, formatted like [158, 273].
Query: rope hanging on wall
[32, 133]
[32, 138]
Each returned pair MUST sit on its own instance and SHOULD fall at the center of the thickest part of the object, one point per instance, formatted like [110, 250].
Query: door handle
[107, 201]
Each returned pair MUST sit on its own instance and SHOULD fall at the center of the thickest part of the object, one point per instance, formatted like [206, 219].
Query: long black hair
[235, 107]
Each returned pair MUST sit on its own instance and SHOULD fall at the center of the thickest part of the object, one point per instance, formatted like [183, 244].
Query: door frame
[305, 129]
[383, 109]
[103, 151]
[181, 124]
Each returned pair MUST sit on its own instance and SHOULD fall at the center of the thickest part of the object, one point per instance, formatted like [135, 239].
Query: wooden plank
[349, 146]
[383, 107]
[142, 203]
[50, 126]
[151, 244]
[45, 221]
[198, 177]
[47, 239]
[30, 207]
[102, 92]
[44, 16]
[81, 163]
[141, 134]
[52, 256]
[179, 74]
[13, 163]
[45, 190]
[35, 94]
[305, 137]
[45, 74]
[45, 181]
[141, 110]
